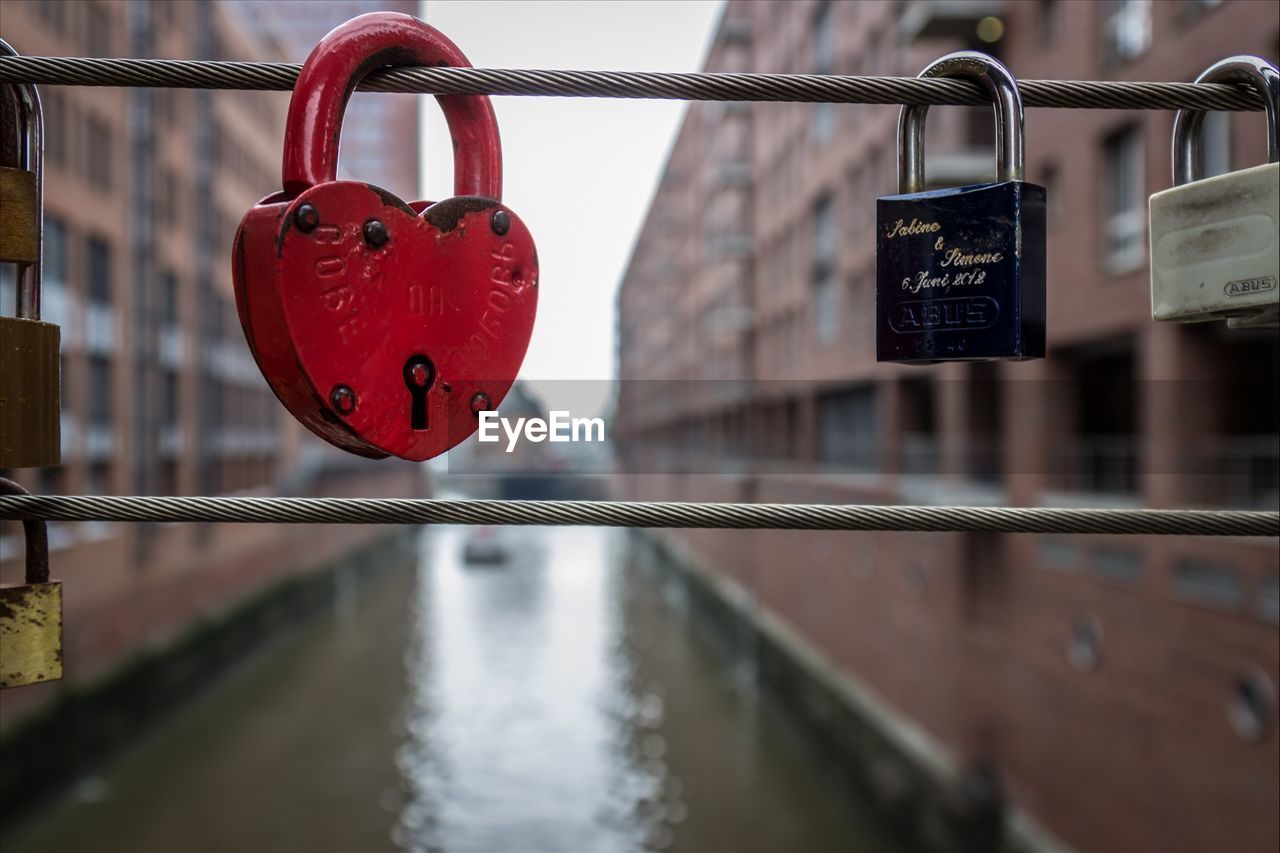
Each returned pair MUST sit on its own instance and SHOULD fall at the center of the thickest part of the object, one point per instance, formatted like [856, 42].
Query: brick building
[1123, 687]
[380, 131]
[144, 189]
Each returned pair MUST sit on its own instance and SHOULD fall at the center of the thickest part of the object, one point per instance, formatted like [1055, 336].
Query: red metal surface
[331, 73]
[331, 315]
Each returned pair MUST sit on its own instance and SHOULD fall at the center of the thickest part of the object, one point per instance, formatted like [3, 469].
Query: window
[169, 398]
[1269, 600]
[97, 481]
[64, 387]
[1215, 145]
[54, 15]
[1049, 22]
[1059, 555]
[54, 298]
[878, 180]
[824, 62]
[1124, 201]
[1191, 10]
[168, 299]
[847, 428]
[99, 257]
[860, 202]
[1126, 28]
[825, 308]
[859, 306]
[825, 290]
[1052, 195]
[1199, 582]
[7, 285]
[54, 252]
[1084, 643]
[99, 390]
[875, 53]
[824, 232]
[56, 131]
[167, 199]
[98, 30]
[98, 138]
[1118, 566]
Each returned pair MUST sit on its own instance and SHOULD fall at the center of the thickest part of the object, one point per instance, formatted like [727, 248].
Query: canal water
[558, 701]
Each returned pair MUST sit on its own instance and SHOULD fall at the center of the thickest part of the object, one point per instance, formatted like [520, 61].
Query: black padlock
[960, 272]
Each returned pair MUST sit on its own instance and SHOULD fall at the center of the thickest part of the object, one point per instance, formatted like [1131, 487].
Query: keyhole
[419, 376]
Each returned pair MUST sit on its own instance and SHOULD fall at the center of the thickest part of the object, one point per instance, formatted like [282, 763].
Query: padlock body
[960, 274]
[1215, 249]
[30, 435]
[30, 633]
[19, 216]
[325, 310]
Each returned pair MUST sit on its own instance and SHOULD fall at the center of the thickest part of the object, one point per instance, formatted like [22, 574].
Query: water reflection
[560, 703]
[557, 701]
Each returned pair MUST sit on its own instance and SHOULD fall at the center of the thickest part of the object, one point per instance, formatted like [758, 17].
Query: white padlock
[1215, 242]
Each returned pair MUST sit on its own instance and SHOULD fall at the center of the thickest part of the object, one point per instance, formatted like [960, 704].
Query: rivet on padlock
[376, 322]
[960, 272]
[29, 393]
[1214, 244]
[31, 613]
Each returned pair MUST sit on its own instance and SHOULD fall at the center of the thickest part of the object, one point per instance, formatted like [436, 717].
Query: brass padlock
[31, 613]
[29, 367]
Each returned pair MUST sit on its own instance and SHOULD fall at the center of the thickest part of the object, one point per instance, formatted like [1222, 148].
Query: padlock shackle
[1188, 125]
[1003, 89]
[338, 63]
[36, 533]
[29, 140]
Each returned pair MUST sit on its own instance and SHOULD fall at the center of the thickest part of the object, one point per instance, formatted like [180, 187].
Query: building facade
[380, 131]
[1123, 687]
[144, 189]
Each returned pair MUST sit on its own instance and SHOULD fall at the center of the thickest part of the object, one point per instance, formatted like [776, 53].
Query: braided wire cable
[695, 86]
[633, 514]
[615, 84]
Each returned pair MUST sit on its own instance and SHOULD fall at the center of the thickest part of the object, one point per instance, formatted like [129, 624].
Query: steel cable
[613, 84]
[699, 86]
[629, 514]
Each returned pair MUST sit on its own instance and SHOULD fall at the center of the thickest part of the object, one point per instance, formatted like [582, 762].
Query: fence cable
[695, 86]
[700, 86]
[769, 516]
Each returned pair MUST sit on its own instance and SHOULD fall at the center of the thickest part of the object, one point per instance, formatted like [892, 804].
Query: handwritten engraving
[898, 229]
[960, 258]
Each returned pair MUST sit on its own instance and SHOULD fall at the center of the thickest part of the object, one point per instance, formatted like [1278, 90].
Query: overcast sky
[579, 171]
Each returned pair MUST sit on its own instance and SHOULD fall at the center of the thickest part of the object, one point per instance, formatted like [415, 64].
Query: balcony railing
[1241, 471]
[920, 455]
[926, 19]
[982, 459]
[1103, 464]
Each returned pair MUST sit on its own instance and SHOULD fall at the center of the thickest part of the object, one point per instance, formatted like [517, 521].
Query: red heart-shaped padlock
[385, 327]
